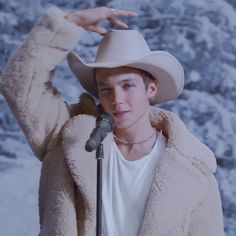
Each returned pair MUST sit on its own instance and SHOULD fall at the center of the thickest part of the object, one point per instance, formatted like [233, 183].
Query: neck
[137, 143]
[136, 132]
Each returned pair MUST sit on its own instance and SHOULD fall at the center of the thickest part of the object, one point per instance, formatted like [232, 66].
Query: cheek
[105, 103]
[140, 97]
[140, 102]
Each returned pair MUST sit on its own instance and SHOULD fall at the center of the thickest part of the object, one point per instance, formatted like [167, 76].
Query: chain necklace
[124, 141]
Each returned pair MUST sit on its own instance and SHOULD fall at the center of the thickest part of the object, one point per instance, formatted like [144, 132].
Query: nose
[117, 96]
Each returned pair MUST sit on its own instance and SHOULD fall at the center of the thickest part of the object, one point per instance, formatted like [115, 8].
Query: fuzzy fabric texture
[26, 80]
[184, 199]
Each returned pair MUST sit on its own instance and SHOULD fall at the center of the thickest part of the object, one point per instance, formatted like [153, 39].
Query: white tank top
[126, 186]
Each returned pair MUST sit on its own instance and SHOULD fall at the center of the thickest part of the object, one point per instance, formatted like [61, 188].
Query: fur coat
[184, 199]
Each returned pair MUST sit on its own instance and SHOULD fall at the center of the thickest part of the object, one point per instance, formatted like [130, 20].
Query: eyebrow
[120, 82]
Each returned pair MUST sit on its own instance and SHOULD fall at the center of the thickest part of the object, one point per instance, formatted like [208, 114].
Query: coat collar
[184, 156]
[179, 137]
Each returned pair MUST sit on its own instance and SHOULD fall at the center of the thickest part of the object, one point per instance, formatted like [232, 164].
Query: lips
[119, 114]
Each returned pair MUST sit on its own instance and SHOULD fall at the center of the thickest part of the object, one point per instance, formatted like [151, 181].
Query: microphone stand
[99, 157]
[104, 124]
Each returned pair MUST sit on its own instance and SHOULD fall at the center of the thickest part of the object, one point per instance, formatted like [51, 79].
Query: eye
[104, 91]
[128, 86]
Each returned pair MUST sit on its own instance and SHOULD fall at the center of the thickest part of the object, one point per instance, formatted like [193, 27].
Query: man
[158, 178]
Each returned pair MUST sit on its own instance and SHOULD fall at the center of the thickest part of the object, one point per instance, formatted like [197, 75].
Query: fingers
[114, 13]
[96, 28]
[117, 22]
[89, 19]
[125, 13]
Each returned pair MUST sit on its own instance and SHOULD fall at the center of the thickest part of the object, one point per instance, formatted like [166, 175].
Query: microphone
[104, 125]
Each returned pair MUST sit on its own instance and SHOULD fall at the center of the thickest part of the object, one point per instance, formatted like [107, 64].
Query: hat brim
[160, 64]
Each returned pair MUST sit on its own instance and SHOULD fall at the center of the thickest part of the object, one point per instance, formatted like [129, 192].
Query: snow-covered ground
[18, 196]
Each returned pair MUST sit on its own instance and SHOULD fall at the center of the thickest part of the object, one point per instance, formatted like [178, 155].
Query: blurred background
[201, 34]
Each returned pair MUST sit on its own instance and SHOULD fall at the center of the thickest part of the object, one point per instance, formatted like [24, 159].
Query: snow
[19, 201]
[201, 34]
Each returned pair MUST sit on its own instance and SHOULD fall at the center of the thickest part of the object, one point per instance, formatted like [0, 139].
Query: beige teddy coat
[184, 199]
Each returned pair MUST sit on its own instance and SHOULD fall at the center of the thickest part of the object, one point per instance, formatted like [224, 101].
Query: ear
[152, 90]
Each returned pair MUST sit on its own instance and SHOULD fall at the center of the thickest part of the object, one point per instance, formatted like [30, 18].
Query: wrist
[74, 18]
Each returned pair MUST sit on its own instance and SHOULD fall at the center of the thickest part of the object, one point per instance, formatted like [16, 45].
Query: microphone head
[104, 125]
[90, 145]
[104, 116]
[105, 121]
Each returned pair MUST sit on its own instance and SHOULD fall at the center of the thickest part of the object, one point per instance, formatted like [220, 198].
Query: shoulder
[188, 148]
[83, 119]
[86, 105]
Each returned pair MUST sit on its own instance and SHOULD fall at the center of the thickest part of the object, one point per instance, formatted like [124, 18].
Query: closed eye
[104, 91]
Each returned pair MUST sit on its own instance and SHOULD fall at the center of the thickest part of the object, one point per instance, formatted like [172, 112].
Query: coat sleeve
[56, 196]
[207, 218]
[26, 81]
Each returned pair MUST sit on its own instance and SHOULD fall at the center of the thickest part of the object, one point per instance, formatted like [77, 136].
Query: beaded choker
[124, 141]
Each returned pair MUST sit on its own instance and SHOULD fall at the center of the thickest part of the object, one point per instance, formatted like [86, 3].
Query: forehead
[119, 72]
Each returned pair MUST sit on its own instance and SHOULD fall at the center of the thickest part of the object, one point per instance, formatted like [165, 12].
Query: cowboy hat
[128, 48]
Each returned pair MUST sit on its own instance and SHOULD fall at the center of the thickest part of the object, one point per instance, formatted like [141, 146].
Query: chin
[123, 125]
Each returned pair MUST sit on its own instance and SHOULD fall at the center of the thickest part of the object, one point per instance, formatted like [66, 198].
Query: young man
[158, 177]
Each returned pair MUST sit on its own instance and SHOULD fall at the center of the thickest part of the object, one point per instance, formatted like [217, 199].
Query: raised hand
[90, 19]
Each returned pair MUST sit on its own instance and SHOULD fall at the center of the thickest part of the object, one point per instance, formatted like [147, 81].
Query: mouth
[119, 114]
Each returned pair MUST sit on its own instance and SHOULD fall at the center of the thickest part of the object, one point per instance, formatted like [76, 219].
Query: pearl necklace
[124, 141]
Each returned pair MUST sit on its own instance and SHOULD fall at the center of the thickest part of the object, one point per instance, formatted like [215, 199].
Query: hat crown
[128, 48]
[122, 45]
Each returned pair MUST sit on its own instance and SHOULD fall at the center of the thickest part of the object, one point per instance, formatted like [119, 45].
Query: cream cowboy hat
[129, 48]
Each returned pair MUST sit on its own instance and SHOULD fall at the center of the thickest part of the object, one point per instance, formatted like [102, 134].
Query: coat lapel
[179, 183]
[175, 191]
[83, 164]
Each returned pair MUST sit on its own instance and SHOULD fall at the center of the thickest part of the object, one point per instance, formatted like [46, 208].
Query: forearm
[44, 48]
[38, 107]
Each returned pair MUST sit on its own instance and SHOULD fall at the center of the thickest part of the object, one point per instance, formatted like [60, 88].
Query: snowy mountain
[201, 34]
